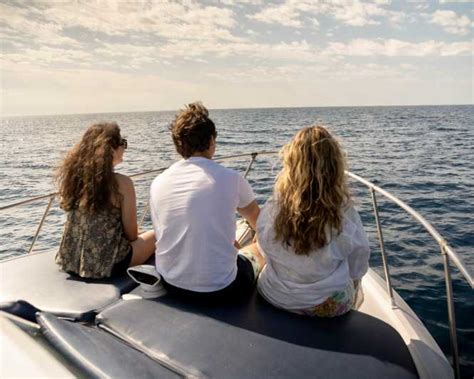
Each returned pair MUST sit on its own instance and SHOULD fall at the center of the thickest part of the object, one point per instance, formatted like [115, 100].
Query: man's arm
[250, 213]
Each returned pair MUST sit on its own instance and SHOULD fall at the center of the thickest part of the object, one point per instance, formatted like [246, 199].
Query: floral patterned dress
[339, 303]
[92, 243]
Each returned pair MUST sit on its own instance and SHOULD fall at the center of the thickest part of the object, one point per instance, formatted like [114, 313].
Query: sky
[63, 57]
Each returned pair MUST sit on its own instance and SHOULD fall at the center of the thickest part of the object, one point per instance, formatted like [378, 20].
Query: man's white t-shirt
[193, 205]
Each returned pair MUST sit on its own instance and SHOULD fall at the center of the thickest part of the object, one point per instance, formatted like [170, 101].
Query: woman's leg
[252, 253]
[143, 247]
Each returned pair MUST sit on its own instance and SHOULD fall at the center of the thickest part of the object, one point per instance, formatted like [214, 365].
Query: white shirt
[193, 206]
[293, 281]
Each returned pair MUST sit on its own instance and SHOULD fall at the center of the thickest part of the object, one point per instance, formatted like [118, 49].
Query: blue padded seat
[255, 340]
[41, 285]
[98, 354]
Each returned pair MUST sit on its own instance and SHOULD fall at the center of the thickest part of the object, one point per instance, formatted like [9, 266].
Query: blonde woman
[309, 232]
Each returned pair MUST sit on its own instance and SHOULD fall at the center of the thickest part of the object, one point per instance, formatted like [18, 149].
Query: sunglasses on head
[124, 143]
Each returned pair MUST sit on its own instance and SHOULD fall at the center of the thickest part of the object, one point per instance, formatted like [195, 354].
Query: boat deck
[251, 339]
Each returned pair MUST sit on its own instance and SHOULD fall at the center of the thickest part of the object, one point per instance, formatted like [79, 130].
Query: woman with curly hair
[310, 233]
[100, 237]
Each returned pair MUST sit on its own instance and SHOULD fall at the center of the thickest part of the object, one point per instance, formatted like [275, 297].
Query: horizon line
[237, 108]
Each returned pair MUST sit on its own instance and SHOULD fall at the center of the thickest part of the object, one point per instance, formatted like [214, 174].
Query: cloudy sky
[63, 57]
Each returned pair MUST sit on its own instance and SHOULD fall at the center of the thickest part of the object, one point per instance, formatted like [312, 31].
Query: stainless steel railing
[448, 254]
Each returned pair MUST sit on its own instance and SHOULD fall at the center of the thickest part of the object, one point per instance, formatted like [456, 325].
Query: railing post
[41, 223]
[247, 170]
[254, 155]
[247, 228]
[145, 212]
[382, 246]
[451, 314]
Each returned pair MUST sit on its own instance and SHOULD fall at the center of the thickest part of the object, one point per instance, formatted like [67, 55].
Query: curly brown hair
[311, 190]
[192, 130]
[86, 176]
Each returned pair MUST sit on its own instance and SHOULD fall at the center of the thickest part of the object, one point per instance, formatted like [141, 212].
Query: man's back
[193, 206]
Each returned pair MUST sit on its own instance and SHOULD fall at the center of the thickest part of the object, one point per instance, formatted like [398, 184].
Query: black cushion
[256, 340]
[98, 354]
[21, 309]
[36, 279]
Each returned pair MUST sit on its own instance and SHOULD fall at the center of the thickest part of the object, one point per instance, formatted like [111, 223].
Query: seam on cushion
[162, 359]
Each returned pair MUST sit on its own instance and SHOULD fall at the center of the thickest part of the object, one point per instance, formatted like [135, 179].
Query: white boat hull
[427, 356]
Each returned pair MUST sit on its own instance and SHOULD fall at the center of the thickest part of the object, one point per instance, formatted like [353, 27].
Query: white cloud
[422, 7]
[47, 56]
[285, 14]
[25, 24]
[451, 22]
[355, 13]
[292, 51]
[396, 18]
[351, 12]
[239, 2]
[190, 20]
[288, 73]
[169, 20]
[258, 74]
[46, 44]
[454, 1]
[141, 31]
[125, 50]
[352, 71]
[394, 47]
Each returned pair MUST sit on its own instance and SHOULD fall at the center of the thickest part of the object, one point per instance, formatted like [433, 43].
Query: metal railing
[448, 254]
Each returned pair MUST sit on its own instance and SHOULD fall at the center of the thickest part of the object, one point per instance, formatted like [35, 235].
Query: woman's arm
[128, 207]
[359, 256]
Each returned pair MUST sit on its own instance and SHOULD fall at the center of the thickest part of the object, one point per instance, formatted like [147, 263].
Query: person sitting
[309, 232]
[193, 205]
[100, 236]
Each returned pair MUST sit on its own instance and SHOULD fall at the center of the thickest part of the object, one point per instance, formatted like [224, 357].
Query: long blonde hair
[310, 191]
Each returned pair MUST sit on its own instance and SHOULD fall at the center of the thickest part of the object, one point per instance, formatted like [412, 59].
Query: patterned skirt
[339, 303]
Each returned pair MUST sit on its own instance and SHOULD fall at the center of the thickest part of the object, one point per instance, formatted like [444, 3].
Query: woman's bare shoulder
[124, 182]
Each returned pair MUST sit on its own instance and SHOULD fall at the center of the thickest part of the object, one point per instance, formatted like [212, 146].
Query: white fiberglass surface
[427, 356]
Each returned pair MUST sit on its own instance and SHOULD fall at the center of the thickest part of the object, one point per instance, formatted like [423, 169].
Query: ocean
[424, 155]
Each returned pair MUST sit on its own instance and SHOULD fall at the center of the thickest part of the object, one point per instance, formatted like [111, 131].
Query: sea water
[422, 154]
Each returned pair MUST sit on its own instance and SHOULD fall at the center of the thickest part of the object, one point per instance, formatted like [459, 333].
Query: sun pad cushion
[37, 280]
[256, 340]
[97, 353]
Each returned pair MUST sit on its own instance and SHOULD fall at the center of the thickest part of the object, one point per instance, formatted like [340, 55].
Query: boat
[55, 325]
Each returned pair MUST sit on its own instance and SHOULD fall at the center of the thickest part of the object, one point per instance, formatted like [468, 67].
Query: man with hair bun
[193, 206]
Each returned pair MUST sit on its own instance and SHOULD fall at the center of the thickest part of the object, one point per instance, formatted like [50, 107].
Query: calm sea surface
[423, 155]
